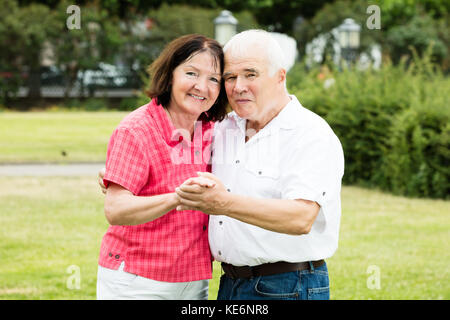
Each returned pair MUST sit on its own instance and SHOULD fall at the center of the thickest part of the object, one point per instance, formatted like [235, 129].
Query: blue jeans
[297, 285]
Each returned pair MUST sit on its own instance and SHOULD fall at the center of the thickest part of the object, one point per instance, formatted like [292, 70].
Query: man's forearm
[293, 217]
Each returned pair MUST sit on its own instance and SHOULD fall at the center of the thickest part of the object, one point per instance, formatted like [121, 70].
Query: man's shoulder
[305, 120]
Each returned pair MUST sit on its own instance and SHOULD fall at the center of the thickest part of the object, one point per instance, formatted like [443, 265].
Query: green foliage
[90, 104]
[404, 24]
[98, 40]
[331, 16]
[392, 123]
[418, 33]
[418, 157]
[417, 163]
[397, 12]
[22, 35]
[132, 103]
[173, 21]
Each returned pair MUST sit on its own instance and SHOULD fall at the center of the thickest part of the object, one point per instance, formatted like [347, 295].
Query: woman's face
[195, 84]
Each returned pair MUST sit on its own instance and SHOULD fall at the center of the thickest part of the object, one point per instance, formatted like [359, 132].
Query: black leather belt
[267, 268]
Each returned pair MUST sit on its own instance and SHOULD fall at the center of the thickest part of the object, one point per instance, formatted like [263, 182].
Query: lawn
[56, 136]
[390, 247]
[53, 226]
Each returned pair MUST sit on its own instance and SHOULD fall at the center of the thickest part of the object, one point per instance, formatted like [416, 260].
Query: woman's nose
[201, 85]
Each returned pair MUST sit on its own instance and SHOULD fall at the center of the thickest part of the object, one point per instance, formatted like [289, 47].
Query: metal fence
[106, 81]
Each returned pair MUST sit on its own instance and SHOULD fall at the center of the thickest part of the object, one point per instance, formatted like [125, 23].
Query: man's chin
[242, 111]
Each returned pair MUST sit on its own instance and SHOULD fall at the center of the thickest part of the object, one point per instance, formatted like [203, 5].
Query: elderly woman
[151, 250]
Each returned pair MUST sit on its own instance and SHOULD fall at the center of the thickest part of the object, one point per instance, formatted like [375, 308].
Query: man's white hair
[240, 43]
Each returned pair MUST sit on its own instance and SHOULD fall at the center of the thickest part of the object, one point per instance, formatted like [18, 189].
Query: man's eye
[230, 78]
[251, 75]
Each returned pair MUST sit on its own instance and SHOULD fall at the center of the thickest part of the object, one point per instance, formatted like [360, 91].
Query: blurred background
[376, 71]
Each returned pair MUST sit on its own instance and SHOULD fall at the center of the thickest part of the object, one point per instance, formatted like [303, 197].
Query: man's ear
[281, 75]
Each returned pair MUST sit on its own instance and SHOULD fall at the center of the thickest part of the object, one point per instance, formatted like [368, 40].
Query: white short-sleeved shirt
[295, 156]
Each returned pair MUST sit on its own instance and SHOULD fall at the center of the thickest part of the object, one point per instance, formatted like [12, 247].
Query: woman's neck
[183, 121]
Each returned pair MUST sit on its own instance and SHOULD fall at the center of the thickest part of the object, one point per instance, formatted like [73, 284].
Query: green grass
[46, 136]
[50, 224]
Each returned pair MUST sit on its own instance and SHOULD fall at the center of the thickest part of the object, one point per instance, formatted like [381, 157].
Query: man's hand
[205, 193]
[101, 174]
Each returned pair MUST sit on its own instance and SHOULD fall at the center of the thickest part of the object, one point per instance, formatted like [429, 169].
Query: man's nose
[239, 85]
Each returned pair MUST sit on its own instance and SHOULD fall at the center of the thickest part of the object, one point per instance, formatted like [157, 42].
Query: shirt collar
[172, 135]
[162, 120]
[287, 118]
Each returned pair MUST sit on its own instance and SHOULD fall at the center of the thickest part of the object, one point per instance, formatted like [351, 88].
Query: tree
[420, 32]
[331, 16]
[23, 32]
[12, 44]
[78, 50]
[37, 24]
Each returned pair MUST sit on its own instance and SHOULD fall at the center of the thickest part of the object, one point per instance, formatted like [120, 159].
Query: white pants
[121, 285]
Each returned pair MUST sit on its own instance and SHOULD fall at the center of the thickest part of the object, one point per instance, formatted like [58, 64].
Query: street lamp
[224, 27]
[349, 32]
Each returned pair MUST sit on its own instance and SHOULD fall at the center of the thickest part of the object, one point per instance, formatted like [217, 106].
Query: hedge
[393, 123]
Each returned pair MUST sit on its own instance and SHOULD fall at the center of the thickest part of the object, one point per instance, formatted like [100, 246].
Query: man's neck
[255, 125]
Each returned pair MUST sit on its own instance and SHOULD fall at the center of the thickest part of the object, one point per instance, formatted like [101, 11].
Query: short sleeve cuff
[318, 197]
[107, 179]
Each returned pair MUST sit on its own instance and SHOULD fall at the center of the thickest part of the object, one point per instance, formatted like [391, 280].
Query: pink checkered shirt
[144, 157]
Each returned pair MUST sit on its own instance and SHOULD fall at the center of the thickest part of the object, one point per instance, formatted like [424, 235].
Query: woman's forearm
[122, 208]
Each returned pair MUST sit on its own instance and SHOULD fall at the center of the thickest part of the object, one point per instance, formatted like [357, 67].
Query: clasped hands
[204, 193]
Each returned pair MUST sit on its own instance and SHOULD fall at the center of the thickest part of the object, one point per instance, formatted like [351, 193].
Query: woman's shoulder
[138, 120]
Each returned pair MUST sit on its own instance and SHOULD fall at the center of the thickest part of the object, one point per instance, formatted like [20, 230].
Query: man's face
[250, 89]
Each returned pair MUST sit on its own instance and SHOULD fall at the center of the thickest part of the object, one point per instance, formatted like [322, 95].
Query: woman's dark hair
[174, 54]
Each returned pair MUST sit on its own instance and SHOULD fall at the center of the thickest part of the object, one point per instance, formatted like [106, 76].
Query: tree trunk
[34, 84]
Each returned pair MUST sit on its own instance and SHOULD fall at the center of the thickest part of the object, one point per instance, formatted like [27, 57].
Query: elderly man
[277, 169]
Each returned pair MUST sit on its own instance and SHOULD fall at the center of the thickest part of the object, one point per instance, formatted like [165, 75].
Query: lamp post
[349, 34]
[224, 27]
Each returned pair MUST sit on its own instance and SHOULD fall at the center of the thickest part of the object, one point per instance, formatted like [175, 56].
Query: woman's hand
[204, 193]
[101, 174]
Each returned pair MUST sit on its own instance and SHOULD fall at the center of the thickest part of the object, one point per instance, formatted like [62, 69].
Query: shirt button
[110, 254]
[260, 172]
[220, 253]
[204, 228]
[228, 190]
[220, 222]
[117, 256]
[197, 153]
[237, 161]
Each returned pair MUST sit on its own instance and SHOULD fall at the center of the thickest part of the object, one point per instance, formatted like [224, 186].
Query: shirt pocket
[262, 171]
[262, 180]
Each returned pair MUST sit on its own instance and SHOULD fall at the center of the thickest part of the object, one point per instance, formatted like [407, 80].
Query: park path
[38, 169]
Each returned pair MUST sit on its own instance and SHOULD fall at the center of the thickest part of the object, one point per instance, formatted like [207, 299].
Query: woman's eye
[215, 80]
[190, 73]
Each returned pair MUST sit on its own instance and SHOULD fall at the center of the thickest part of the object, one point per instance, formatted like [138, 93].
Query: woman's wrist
[174, 200]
